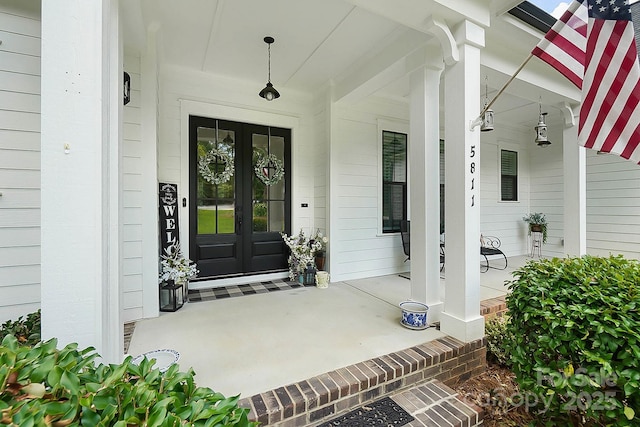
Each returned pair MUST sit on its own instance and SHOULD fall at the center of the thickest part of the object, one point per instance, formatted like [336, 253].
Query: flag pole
[478, 121]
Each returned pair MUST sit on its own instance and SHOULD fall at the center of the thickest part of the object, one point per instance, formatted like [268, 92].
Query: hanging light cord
[269, 72]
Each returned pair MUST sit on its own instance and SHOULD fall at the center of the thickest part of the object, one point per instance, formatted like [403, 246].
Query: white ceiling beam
[385, 67]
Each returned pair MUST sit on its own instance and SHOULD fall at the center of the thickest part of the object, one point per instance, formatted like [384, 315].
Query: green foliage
[498, 334]
[26, 331]
[576, 342]
[259, 224]
[260, 209]
[45, 386]
[537, 219]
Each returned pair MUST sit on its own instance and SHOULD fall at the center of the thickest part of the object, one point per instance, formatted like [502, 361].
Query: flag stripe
[564, 45]
[564, 62]
[593, 45]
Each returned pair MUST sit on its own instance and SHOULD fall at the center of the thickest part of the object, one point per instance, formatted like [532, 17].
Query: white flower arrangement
[303, 252]
[322, 239]
[175, 266]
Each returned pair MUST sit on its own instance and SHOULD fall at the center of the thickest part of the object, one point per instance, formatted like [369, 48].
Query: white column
[149, 119]
[424, 151]
[81, 109]
[574, 161]
[461, 317]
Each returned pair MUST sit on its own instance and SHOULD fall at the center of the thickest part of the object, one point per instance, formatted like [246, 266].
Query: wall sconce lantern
[127, 88]
[541, 131]
[171, 296]
[269, 92]
[487, 117]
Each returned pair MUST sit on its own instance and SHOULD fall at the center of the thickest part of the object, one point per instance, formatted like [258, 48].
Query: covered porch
[255, 343]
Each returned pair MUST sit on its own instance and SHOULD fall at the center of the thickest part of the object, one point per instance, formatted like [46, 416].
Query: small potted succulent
[537, 223]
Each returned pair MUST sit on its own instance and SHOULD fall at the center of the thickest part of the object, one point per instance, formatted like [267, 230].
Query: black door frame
[255, 249]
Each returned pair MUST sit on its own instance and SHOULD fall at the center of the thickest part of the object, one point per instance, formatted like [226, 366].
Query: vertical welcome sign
[169, 233]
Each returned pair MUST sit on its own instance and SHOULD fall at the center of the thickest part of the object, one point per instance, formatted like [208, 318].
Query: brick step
[321, 398]
[434, 404]
[417, 370]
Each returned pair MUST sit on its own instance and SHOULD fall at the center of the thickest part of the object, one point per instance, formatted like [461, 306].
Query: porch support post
[424, 152]
[81, 107]
[461, 317]
[575, 187]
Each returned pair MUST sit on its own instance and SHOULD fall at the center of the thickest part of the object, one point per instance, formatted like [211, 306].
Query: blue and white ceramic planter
[414, 315]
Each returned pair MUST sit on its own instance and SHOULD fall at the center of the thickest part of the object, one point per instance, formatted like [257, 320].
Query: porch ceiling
[317, 42]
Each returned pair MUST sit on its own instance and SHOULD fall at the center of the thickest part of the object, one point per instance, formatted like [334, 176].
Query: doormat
[197, 295]
[383, 412]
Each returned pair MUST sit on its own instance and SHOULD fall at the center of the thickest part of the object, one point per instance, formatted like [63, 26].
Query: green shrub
[259, 224]
[27, 331]
[576, 344]
[498, 335]
[44, 386]
[260, 209]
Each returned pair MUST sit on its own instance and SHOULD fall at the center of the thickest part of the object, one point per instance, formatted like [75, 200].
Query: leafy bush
[27, 331]
[576, 348]
[45, 386]
[260, 209]
[498, 334]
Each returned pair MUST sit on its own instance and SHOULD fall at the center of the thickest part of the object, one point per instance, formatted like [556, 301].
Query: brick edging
[317, 398]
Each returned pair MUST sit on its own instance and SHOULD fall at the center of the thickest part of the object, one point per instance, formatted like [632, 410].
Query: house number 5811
[472, 170]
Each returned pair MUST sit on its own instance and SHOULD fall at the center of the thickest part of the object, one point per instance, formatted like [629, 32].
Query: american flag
[593, 45]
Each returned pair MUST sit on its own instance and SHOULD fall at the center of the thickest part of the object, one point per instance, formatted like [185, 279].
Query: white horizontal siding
[357, 248]
[132, 181]
[19, 163]
[613, 206]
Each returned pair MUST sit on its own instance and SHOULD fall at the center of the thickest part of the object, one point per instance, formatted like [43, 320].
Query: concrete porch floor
[254, 343]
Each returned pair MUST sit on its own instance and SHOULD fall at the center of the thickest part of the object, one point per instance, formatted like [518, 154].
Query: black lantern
[269, 92]
[309, 275]
[127, 88]
[171, 296]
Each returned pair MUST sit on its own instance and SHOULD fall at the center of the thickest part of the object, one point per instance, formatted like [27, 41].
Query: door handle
[239, 222]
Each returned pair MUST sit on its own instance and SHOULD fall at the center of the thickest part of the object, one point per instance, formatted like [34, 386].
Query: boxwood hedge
[575, 346]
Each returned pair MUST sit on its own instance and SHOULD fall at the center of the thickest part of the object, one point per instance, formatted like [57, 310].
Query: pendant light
[487, 117]
[541, 130]
[269, 92]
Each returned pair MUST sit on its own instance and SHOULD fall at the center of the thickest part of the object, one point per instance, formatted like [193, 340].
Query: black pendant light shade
[269, 92]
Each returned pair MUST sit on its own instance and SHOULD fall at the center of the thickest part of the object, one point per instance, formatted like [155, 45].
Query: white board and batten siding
[613, 206]
[19, 161]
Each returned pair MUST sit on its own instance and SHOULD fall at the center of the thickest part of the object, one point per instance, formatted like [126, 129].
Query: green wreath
[262, 166]
[204, 166]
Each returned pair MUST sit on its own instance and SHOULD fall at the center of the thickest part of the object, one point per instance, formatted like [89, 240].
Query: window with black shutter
[508, 175]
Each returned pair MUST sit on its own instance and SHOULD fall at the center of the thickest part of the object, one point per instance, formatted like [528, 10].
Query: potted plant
[537, 223]
[303, 251]
[321, 251]
[175, 267]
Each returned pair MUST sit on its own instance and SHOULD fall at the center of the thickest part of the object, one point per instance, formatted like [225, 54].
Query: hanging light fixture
[541, 130]
[487, 117]
[269, 92]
